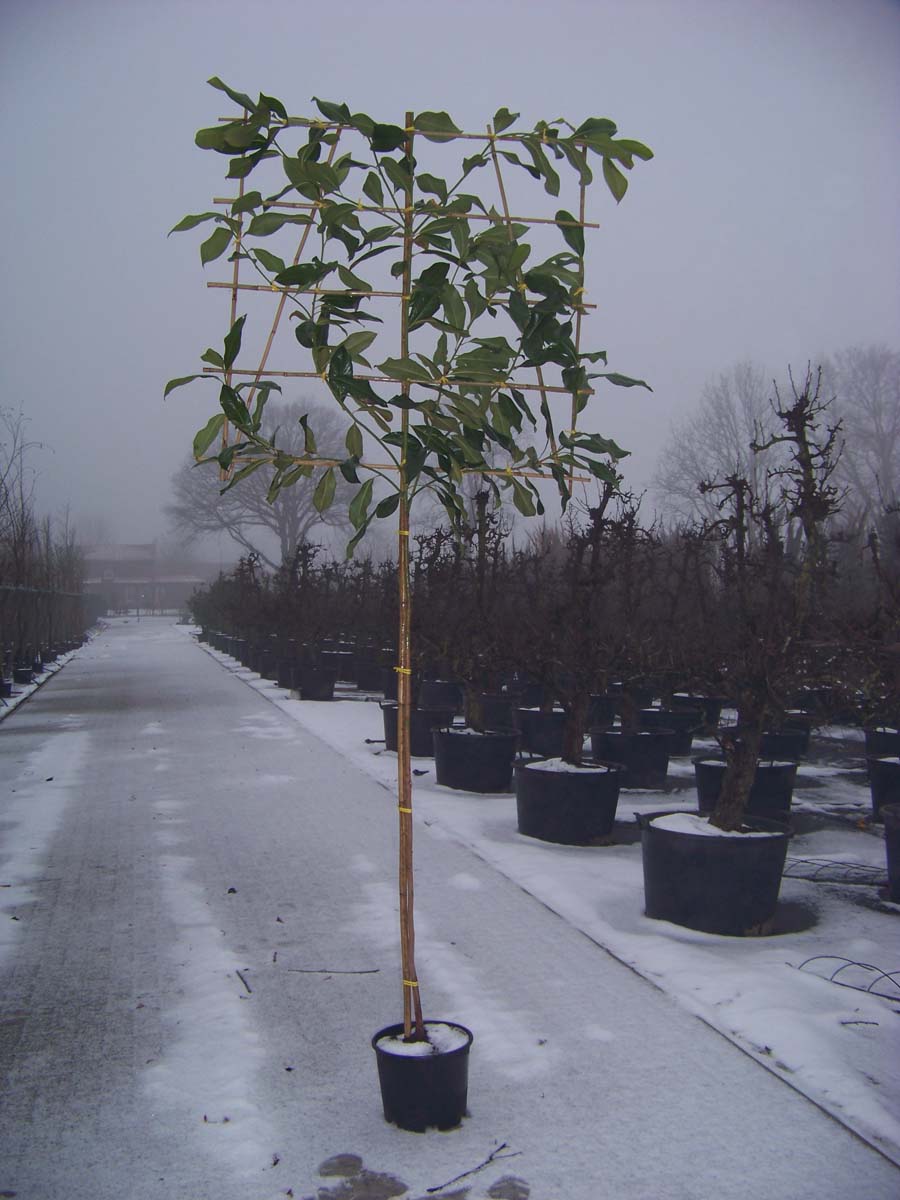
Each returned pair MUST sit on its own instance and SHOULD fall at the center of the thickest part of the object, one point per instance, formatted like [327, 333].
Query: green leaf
[270, 222]
[309, 438]
[405, 369]
[503, 118]
[572, 232]
[215, 245]
[233, 342]
[638, 149]
[387, 137]
[338, 113]
[397, 171]
[246, 203]
[615, 180]
[432, 184]
[435, 122]
[359, 505]
[353, 282]
[205, 437]
[303, 275]
[601, 125]
[624, 381]
[194, 219]
[357, 343]
[271, 262]
[233, 406]
[213, 357]
[373, 189]
[323, 496]
[242, 474]
[240, 98]
[354, 442]
[387, 506]
[522, 499]
[177, 383]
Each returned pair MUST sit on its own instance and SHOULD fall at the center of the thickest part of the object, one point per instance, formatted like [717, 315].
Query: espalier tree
[476, 336]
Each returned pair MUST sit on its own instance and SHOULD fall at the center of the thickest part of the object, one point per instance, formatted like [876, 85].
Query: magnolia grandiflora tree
[436, 284]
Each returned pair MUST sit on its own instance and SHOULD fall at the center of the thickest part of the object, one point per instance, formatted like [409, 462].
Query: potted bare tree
[758, 619]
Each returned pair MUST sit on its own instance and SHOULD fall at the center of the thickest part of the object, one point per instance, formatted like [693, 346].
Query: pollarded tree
[202, 504]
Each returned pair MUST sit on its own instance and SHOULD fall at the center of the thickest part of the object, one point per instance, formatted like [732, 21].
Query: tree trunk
[741, 756]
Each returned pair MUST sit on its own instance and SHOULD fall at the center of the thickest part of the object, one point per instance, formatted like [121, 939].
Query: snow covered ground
[780, 998]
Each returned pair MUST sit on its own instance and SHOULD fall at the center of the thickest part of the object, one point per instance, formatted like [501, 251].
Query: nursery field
[199, 941]
[817, 1002]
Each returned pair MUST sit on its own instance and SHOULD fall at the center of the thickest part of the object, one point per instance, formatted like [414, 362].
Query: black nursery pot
[890, 814]
[787, 742]
[771, 793]
[726, 885]
[542, 732]
[644, 755]
[421, 724]
[474, 762]
[423, 1092]
[315, 683]
[572, 806]
[884, 783]
[441, 693]
[683, 722]
[882, 740]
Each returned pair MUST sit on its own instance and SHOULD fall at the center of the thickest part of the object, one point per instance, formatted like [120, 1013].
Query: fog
[765, 229]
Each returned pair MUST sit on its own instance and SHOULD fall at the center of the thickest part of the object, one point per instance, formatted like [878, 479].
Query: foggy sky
[765, 229]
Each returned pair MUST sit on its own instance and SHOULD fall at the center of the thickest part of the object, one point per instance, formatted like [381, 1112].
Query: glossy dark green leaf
[397, 171]
[270, 222]
[358, 342]
[303, 275]
[193, 220]
[240, 98]
[359, 506]
[435, 122]
[246, 203]
[339, 113]
[571, 231]
[601, 125]
[354, 442]
[215, 245]
[213, 357]
[271, 262]
[433, 185]
[373, 189]
[177, 383]
[405, 369]
[349, 280]
[387, 506]
[233, 342]
[233, 406]
[205, 437]
[387, 137]
[624, 380]
[503, 118]
[638, 149]
[615, 180]
[323, 496]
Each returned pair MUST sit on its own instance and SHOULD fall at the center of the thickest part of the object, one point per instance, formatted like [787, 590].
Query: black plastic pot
[710, 706]
[22, 674]
[427, 1091]
[727, 885]
[890, 814]
[770, 794]
[881, 741]
[340, 662]
[441, 693]
[541, 732]
[787, 742]
[421, 724]
[644, 755]
[884, 783]
[601, 711]
[474, 762]
[315, 683]
[487, 711]
[572, 806]
[683, 723]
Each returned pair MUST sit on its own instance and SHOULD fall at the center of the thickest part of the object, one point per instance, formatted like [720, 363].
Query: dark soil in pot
[474, 762]
[424, 1085]
[718, 883]
[884, 783]
[569, 805]
[770, 795]
[644, 756]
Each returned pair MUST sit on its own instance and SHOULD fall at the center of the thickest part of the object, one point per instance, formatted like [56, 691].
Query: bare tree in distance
[244, 513]
[714, 442]
[865, 381]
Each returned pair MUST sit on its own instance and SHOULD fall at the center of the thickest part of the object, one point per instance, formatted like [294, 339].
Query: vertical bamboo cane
[412, 1005]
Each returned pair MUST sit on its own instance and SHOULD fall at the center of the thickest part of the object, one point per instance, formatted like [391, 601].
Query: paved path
[197, 942]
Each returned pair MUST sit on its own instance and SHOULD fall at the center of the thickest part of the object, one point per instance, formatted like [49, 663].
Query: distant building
[132, 576]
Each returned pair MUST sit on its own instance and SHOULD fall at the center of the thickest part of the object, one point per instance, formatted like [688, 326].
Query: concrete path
[197, 927]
